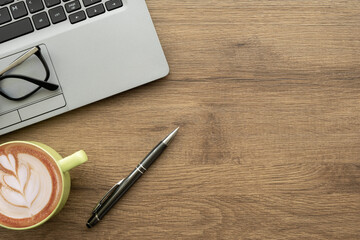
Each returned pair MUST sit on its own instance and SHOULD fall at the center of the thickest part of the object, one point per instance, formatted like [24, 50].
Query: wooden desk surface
[267, 97]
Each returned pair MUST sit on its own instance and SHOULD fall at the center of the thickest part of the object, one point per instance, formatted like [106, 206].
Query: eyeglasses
[19, 86]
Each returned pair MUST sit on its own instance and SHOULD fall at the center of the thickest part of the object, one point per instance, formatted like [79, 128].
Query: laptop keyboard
[18, 18]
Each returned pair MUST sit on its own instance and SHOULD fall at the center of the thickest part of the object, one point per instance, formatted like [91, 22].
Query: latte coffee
[30, 185]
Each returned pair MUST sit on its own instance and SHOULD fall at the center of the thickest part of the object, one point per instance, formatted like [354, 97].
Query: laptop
[93, 49]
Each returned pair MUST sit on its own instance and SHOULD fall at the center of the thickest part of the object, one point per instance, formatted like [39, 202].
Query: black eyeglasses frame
[40, 83]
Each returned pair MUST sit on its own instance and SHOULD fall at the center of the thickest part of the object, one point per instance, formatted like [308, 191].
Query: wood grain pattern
[267, 97]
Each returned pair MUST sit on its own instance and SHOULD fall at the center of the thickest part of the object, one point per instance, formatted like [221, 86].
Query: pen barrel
[124, 186]
[153, 155]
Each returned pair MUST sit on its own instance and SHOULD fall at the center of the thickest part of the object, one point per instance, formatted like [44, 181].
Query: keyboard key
[4, 16]
[4, 2]
[57, 14]
[113, 4]
[72, 6]
[15, 29]
[77, 17]
[51, 3]
[95, 10]
[90, 2]
[18, 10]
[34, 5]
[41, 20]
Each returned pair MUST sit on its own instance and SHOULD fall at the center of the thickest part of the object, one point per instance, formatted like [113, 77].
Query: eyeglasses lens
[16, 87]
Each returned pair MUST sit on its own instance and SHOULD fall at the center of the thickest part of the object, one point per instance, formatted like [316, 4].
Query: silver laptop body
[95, 58]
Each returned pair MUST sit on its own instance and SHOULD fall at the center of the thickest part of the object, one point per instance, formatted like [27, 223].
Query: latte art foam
[24, 192]
[29, 185]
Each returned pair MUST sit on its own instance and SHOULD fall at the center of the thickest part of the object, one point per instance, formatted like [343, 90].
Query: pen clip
[106, 196]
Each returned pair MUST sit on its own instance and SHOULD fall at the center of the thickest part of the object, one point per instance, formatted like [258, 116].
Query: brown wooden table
[267, 97]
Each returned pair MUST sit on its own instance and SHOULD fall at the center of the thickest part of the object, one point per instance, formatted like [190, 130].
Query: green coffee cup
[63, 165]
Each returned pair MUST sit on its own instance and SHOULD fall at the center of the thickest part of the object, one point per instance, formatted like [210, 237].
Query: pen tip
[175, 131]
[170, 137]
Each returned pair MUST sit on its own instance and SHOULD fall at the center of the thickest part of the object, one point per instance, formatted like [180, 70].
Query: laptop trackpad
[42, 107]
[42, 101]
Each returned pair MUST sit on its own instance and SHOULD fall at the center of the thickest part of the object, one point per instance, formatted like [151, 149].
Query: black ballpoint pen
[119, 189]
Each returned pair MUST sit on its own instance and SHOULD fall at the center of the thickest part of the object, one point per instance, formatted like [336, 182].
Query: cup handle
[73, 160]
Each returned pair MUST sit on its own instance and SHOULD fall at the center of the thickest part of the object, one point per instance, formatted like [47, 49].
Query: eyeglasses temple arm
[20, 60]
[46, 85]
